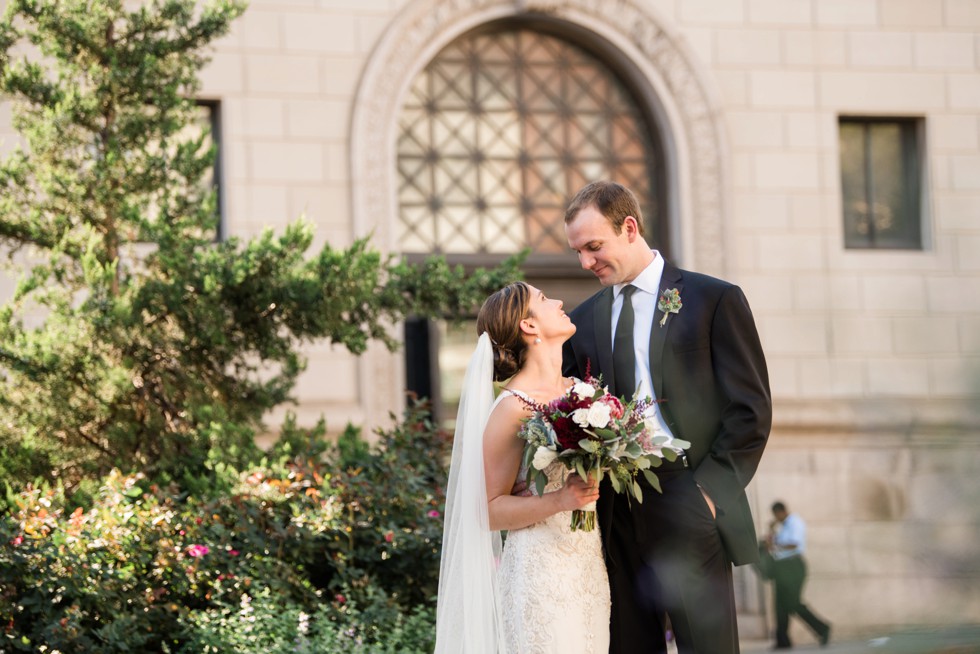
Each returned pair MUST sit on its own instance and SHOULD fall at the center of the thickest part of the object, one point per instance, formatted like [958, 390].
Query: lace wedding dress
[553, 588]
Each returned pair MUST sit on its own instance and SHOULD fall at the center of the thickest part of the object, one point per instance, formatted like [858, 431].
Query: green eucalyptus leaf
[653, 480]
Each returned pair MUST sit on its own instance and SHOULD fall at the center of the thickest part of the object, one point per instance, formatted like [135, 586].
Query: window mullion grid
[566, 136]
[523, 162]
[479, 129]
[430, 121]
[566, 162]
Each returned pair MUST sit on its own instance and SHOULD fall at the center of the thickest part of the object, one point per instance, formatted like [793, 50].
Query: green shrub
[394, 496]
[263, 623]
[346, 535]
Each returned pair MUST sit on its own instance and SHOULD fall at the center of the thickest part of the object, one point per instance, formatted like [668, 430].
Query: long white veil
[466, 615]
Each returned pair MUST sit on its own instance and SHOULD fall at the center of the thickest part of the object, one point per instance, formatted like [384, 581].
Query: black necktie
[624, 357]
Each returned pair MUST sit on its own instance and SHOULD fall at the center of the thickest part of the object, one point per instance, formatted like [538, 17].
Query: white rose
[599, 415]
[583, 390]
[581, 417]
[543, 457]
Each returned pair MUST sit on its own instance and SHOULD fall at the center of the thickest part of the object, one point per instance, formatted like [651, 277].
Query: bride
[548, 591]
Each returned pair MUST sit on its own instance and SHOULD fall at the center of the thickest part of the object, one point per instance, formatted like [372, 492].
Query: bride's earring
[537, 340]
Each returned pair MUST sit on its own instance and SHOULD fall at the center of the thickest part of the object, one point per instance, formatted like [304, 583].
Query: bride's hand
[577, 492]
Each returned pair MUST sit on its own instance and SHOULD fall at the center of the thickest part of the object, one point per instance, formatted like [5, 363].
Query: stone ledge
[902, 416]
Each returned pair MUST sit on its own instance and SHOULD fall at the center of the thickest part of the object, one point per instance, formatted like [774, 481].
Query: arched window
[501, 129]
[496, 135]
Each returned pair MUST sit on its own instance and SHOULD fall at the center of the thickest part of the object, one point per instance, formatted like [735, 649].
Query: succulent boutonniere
[669, 302]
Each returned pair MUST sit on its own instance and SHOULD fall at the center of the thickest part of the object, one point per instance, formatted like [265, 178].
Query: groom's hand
[711, 505]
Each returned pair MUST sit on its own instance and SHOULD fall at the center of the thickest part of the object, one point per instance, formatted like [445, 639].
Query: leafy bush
[264, 624]
[344, 534]
[395, 496]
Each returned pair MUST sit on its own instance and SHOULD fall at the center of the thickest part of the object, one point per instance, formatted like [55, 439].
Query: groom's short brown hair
[614, 201]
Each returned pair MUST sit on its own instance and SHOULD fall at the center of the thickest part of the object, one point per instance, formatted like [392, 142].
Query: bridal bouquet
[596, 433]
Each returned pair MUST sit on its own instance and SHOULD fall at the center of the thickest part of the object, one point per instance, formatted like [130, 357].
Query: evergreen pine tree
[135, 338]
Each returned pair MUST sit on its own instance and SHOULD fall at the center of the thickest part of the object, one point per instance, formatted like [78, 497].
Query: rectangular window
[209, 118]
[881, 182]
[205, 120]
[436, 354]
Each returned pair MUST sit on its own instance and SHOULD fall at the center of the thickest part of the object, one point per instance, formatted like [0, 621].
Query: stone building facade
[873, 348]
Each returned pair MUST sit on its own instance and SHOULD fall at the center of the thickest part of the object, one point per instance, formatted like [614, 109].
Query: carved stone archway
[663, 69]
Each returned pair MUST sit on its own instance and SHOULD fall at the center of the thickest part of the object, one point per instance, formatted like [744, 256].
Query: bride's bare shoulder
[510, 402]
[503, 423]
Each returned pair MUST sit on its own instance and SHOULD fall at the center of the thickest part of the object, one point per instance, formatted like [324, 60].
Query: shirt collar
[648, 280]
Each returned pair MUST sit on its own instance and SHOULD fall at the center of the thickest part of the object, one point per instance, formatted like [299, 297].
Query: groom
[687, 340]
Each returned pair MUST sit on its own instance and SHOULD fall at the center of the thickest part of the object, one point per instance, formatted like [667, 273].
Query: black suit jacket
[709, 371]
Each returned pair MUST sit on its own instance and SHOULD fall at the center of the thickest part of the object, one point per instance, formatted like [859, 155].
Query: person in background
[787, 544]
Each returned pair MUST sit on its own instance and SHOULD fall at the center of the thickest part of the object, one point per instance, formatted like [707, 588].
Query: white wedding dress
[546, 591]
[553, 589]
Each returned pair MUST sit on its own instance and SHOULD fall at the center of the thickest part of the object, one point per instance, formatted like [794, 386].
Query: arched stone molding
[664, 71]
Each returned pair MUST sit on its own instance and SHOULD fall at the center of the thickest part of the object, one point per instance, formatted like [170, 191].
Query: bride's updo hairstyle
[501, 316]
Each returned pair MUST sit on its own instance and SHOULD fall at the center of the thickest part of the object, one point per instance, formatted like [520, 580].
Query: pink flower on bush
[197, 550]
[433, 514]
[232, 552]
[17, 541]
[340, 598]
[389, 536]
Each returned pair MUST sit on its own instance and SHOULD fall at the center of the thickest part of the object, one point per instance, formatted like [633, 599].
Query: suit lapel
[603, 334]
[671, 278]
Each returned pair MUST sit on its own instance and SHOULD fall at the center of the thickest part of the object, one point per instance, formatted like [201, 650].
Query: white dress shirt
[644, 301]
[791, 532]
